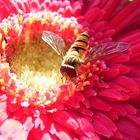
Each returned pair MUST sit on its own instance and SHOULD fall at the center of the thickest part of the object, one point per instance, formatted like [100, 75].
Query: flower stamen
[34, 64]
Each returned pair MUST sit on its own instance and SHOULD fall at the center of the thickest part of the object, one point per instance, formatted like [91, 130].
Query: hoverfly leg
[63, 79]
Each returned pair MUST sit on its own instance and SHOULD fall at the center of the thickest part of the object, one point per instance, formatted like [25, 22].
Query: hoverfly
[79, 53]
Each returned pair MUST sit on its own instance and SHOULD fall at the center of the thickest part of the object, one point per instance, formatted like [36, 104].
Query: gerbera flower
[103, 100]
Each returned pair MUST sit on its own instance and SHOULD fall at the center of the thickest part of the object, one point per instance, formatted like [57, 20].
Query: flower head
[101, 102]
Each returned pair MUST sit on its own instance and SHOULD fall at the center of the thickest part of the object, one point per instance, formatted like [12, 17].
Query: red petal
[99, 104]
[84, 110]
[118, 58]
[121, 109]
[117, 87]
[127, 83]
[134, 118]
[60, 132]
[126, 137]
[18, 114]
[83, 137]
[86, 127]
[111, 94]
[103, 125]
[110, 7]
[132, 38]
[135, 73]
[75, 100]
[66, 120]
[92, 14]
[122, 68]
[99, 26]
[12, 107]
[125, 17]
[90, 92]
[102, 85]
[111, 73]
[129, 128]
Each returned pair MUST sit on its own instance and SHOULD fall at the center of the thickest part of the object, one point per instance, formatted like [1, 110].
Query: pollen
[37, 65]
[16, 29]
[55, 20]
[75, 32]
[64, 25]
[2, 81]
[20, 19]
[5, 29]
[32, 20]
[0, 37]
[12, 92]
[3, 88]
[3, 45]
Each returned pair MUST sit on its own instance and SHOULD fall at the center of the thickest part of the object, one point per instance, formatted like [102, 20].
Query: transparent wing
[54, 41]
[105, 49]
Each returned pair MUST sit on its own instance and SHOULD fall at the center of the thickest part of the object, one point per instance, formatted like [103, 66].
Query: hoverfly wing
[54, 41]
[111, 48]
[105, 49]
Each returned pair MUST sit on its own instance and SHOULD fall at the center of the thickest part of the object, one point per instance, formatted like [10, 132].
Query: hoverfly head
[68, 71]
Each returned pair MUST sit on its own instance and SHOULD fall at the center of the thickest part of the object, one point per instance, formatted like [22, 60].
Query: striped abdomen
[81, 42]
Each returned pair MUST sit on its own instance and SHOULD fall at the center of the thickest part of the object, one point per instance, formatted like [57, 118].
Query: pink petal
[2, 106]
[28, 124]
[47, 136]
[39, 123]
[13, 129]
[2, 97]
[3, 117]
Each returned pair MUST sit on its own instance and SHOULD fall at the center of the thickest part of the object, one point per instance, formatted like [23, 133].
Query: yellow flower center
[36, 64]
